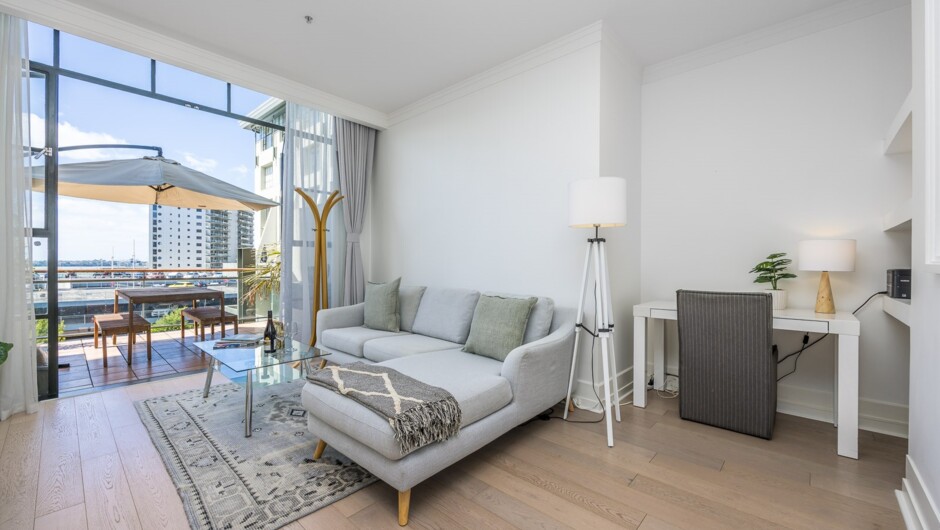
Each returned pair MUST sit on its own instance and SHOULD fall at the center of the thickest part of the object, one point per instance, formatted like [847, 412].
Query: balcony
[88, 291]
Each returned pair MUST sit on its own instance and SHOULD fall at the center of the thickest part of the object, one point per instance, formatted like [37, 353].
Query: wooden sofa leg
[318, 452]
[404, 502]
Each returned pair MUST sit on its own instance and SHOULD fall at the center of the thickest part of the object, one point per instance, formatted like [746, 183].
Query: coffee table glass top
[253, 357]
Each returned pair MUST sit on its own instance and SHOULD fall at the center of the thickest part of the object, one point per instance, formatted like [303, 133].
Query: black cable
[796, 361]
[810, 345]
[869, 300]
[593, 378]
[801, 350]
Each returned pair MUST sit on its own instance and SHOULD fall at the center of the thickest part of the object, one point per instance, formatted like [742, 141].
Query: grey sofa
[494, 396]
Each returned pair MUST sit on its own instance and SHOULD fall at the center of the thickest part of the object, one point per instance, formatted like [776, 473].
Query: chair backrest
[727, 363]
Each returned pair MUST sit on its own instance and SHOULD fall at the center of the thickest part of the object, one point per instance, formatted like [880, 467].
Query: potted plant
[772, 270]
[4, 351]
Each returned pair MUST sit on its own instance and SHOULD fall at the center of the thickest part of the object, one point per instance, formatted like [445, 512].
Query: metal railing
[85, 292]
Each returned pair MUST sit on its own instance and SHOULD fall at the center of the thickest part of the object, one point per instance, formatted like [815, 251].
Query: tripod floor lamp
[598, 203]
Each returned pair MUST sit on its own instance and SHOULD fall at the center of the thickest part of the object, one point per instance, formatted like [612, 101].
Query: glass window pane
[40, 43]
[190, 86]
[37, 136]
[40, 280]
[244, 101]
[93, 58]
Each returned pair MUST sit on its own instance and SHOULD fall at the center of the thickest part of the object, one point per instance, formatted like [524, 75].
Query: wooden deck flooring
[171, 355]
[87, 462]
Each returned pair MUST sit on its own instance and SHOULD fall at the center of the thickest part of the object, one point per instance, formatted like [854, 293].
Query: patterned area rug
[229, 481]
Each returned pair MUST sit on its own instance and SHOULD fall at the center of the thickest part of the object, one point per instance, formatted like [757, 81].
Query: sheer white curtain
[17, 324]
[309, 163]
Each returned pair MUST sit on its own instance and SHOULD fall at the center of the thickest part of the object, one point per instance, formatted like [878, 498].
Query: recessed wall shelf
[898, 308]
[899, 137]
[899, 219]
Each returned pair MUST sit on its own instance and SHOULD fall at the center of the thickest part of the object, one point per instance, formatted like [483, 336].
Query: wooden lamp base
[824, 301]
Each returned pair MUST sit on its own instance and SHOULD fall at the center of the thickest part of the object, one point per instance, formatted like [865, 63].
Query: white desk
[844, 325]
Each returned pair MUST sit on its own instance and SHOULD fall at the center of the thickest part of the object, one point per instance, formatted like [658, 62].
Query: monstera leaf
[4, 350]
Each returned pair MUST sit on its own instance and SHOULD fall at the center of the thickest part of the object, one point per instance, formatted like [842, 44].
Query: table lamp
[596, 203]
[826, 255]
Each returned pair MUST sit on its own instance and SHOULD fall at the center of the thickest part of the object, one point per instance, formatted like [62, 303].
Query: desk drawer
[793, 324]
[664, 314]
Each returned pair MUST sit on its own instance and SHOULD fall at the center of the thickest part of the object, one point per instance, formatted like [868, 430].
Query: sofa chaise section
[494, 396]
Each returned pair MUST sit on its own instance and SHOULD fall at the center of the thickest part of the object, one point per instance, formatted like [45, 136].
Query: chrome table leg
[248, 403]
[205, 391]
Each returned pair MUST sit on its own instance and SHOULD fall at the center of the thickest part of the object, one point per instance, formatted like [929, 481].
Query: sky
[93, 114]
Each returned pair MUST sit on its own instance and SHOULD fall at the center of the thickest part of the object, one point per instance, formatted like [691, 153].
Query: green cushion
[382, 309]
[498, 325]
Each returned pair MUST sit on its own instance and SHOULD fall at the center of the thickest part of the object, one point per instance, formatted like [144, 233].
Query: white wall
[752, 154]
[925, 306]
[473, 193]
[620, 121]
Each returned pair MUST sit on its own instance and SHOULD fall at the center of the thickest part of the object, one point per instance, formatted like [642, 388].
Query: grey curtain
[355, 150]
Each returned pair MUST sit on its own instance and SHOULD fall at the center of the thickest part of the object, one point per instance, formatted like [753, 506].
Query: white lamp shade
[827, 255]
[597, 202]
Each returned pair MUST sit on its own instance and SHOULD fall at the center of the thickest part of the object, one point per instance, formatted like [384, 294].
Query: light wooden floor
[87, 462]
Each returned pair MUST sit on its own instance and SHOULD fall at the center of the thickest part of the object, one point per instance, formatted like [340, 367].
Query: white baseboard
[918, 507]
[584, 398]
[875, 416]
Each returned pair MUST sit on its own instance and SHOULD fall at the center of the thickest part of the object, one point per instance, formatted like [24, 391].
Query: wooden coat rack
[321, 298]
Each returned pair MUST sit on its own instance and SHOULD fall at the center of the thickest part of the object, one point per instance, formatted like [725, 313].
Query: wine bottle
[270, 333]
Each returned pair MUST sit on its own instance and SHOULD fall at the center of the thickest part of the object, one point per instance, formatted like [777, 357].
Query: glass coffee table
[248, 359]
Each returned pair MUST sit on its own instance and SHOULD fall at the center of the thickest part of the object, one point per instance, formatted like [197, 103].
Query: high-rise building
[178, 237]
[196, 238]
[268, 143]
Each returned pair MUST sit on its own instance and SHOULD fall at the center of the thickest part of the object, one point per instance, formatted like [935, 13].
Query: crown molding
[98, 26]
[823, 19]
[566, 45]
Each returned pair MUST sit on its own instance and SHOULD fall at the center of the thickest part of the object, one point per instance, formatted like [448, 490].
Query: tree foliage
[42, 330]
[265, 279]
[171, 321]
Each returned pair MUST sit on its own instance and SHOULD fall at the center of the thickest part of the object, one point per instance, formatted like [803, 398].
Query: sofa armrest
[538, 371]
[340, 317]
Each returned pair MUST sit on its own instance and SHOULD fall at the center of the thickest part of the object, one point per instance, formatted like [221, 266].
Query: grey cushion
[446, 313]
[351, 340]
[409, 297]
[473, 380]
[498, 325]
[540, 320]
[381, 310]
[386, 348]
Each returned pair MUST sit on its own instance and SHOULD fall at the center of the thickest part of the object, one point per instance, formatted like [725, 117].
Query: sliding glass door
[43, 141]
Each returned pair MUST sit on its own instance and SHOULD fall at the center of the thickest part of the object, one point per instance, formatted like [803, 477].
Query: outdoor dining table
[159, 295]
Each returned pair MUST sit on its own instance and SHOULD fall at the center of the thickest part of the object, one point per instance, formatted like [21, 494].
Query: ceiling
[386, 54]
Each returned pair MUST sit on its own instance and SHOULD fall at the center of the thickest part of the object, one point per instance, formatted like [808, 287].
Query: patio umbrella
[150, 180]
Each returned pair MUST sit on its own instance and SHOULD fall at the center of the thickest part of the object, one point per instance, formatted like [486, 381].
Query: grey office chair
[727, 360]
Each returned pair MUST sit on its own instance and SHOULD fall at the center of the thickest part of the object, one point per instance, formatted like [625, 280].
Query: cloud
[205, 165]
[241, 169]
[70, 135]
[120, 225]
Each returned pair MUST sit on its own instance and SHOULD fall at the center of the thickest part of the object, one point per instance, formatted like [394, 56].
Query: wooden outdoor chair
[114, 324]
[205, 315]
